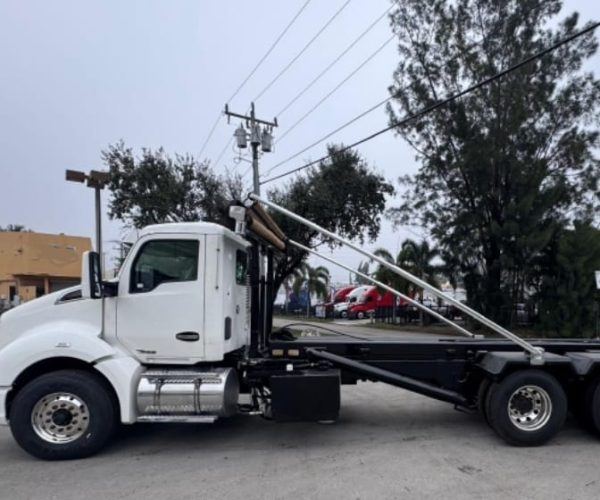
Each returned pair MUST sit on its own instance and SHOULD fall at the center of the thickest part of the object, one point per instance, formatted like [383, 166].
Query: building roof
[41, 254]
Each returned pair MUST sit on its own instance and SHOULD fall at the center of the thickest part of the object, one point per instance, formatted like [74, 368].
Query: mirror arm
[110, 288]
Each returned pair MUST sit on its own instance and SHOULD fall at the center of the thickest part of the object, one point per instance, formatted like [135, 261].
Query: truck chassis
[523, 389]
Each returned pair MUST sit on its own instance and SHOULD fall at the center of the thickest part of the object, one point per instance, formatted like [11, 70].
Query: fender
[123, 374]
[28, 349]
[121, 371]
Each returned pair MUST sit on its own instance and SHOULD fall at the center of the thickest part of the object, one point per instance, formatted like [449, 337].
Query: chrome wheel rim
[529, 408]
[60, 417]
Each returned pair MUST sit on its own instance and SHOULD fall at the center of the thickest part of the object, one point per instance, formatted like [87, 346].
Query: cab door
[160, 305]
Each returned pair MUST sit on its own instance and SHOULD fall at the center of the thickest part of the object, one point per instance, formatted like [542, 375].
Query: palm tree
[418, 259]
[315, 279]
[414, 257]
[363, 267]
[287, 287]
[389, 277]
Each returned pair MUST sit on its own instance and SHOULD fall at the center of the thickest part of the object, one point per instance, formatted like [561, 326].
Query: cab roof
[191, 228]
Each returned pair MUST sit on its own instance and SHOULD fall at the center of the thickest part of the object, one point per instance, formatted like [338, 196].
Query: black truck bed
[452, 363]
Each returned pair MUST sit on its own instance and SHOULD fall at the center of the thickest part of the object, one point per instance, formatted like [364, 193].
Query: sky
[77, 76]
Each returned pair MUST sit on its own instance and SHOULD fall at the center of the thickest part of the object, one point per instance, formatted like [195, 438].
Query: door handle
[188, 336]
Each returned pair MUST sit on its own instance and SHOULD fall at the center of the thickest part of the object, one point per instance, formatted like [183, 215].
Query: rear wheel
[482, 394]
[587, 408]
[527, 408]
[63, 415]
[360, 315]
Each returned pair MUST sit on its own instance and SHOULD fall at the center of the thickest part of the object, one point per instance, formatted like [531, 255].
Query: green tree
[315, 280]
[15, 228]
[344, 195]
[363, 267]
[565, 283]
[389, 277]
[505, 167]
[156, 188]
[417, 259]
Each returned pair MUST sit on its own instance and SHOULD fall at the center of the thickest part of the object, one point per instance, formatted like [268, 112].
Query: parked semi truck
[184, 334]
[367, 303]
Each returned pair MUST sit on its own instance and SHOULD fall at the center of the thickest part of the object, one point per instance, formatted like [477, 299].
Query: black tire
[344, 314]
[360, 315]
[578, 397]
[587, 407]
[544, 425]
[98, 406]
[482, 394]
[487, 401]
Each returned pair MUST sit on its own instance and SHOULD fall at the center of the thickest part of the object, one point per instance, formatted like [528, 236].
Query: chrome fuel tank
[212, 392]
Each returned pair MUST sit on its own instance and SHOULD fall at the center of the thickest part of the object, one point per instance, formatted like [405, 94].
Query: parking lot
[388, 443]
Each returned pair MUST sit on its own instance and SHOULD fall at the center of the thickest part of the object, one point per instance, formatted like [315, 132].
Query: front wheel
[63, 415]
[527, 408]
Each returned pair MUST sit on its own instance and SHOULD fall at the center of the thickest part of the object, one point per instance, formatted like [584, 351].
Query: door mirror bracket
[91, 276]
[110, 288]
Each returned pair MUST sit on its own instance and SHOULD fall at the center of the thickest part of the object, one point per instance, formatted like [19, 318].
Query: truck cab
[341, 309]
[182, 295]
[369, 300]
[338, 297]
[178, 307]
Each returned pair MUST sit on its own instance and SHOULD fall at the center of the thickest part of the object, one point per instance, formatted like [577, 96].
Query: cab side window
[241, 267]
[164, 261]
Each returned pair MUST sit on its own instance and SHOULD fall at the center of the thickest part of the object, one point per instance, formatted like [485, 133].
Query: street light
[96, 180]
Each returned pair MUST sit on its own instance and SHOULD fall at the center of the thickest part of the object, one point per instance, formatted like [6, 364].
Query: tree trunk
[493, 299]
[421, 310]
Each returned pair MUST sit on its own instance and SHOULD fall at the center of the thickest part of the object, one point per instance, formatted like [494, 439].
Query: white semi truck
[183, 334]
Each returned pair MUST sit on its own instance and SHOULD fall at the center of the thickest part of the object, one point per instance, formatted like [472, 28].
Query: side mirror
[91, 276]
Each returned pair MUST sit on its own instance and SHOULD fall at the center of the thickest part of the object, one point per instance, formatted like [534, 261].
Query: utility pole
[257, 136]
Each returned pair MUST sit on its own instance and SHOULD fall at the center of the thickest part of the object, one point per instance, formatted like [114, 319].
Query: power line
[212, 131]
[335, 89]
[333, 132]
[229, 142]
[258, 64]
[447, 100]
[246, 172]
[364, 113]
[297, 56]
[342, 54]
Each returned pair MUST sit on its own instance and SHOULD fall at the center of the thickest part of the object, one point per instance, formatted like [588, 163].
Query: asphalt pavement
[387, 444]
